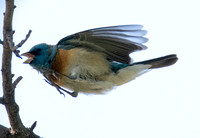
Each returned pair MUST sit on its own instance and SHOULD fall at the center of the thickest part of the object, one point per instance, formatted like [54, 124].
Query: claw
[60, 92]
[74, 94]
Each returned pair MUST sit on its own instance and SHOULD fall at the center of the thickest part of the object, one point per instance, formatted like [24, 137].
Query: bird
[94, 61]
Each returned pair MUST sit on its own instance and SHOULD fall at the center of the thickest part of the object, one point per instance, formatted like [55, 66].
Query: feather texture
[94, 61]
[117, 42]
[159, 62]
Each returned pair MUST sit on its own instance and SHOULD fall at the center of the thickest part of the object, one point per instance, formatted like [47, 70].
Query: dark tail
[160, 62]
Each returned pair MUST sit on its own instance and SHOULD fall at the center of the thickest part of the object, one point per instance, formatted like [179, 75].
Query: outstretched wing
[117, 42]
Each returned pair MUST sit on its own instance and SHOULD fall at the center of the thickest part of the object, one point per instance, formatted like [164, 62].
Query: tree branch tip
[22, 42]
[17, 81]
[33, 126]
[14, 48]
[30, 31]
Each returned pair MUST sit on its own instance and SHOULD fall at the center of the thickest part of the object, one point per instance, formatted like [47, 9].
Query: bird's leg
[73, 94]
[50, 83]
[70, 77]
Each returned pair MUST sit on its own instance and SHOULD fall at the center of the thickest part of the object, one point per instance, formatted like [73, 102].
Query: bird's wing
[117, 42]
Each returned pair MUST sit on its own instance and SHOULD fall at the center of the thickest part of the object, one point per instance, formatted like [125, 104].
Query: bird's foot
[73, 94]
[61, 90]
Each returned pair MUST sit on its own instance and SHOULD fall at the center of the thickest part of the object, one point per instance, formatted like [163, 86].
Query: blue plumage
[117, 66]
[43, 56]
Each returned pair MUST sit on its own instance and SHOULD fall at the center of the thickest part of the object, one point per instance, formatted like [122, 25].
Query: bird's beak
[29, 56]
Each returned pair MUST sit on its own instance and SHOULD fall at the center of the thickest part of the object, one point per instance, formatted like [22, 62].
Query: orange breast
[60, 64]
[61, 60]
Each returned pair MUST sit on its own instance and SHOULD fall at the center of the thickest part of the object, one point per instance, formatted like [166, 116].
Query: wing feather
[117, 42]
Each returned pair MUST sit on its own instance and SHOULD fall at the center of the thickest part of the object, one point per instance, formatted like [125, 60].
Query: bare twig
[22, 42]
[33, 126]
[14, 48]
[11, 44]
[17, 81]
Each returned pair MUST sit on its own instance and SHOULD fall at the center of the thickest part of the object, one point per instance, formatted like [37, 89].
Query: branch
[33, 126]
[4, 132]
[2, 100]
[17, 81]
[17, 127]
[8, 90]
[14, 48]
[23, 41]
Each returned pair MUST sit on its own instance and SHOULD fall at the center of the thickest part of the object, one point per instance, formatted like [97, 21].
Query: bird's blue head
[40, 56]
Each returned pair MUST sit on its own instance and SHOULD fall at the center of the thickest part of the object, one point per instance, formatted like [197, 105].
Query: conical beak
[29, 56]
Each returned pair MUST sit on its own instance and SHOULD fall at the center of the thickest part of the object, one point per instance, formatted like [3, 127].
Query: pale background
[163, 103]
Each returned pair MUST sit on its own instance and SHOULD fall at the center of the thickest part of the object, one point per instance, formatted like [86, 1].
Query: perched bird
[94, 61]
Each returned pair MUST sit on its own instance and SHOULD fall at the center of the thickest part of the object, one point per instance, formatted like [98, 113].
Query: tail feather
[159, 62]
